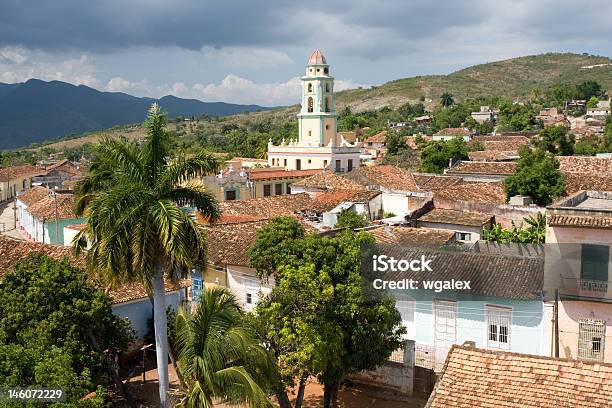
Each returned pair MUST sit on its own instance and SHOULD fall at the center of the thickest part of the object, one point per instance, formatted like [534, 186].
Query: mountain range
[35, 110]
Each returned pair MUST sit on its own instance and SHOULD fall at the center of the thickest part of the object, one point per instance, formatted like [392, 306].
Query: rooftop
[327, 180]
[591, 209]
[443, 216]
[34, 195]
[601, 166]
[412, 236]
[267, 207]
[483, 168]
[386, 176]
[454, 132]
[379, 137]
[317, 58]
[503, 276]
[19, 171]
[13, 251]
[52, 206]
[483, 378]
[329, 200]
[477, 192]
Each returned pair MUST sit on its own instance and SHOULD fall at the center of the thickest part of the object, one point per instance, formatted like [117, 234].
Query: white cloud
[136, 88]
[16, 65]
[237, 89]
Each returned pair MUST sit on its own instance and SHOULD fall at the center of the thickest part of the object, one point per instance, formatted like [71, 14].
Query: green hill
[515, 78]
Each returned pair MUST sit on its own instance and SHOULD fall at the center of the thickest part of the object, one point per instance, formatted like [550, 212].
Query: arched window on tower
[326, 70]
[309, 87]
[310, 104]
[327, 87]
[327, 104]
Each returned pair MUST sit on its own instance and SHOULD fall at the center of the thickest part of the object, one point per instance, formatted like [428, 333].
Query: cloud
[17, 65]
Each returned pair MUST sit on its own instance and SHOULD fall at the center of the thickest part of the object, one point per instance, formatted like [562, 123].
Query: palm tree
[132, 197]
[218, 356]
[446, 99]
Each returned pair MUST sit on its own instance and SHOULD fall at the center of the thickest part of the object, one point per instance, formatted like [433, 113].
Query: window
[310, 133]
[278, 189]
[230, 195]
[288, 189]
[249, 298]
[298, 164]
[591, 339]
[310, 104]
[309, 161]
[285, 162]
[327, 86]
[318, 69]
[463, 236]
[267, 190]
[324, 163]
[309, 87]
[219, 268]
[326, 70]
[327, 108]
[498, 323]
[349, 165]
[326, 127]
[594, 267]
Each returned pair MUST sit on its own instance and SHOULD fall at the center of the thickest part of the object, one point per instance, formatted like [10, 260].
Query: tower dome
[317, 58]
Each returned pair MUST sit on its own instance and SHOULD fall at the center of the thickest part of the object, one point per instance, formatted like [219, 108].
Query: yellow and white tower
[318, 145]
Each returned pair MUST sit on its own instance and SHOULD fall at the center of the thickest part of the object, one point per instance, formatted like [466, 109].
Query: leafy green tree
[435, 156]
[588, 146]
[317, 320]
[132, 196]
[348, 218]
[485, 127]
[592, 103]
[516, 117]
[556, 140]
[56, 329]
[219, 355]
[446, 99]
[537, 175]
[409, 111]
[394, 142]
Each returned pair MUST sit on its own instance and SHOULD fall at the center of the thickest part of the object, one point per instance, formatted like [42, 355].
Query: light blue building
[504, 308]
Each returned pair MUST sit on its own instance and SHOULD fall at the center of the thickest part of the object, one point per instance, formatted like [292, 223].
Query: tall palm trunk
[161, 333]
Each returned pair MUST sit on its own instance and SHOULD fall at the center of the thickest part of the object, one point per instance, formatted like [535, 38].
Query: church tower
[317, 119]
[318, 146]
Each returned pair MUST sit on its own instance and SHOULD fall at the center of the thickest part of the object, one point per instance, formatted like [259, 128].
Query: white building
[319, 145]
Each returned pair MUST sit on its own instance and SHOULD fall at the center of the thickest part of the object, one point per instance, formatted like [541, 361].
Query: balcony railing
[594, 286]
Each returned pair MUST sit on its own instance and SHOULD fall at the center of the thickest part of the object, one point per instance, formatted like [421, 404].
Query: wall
[570, 313]
[140, 311]
[569, 235]
[397, 377]
[50, 230]
[239, 277]
[258, 186]
[15, 185]
[504, 213]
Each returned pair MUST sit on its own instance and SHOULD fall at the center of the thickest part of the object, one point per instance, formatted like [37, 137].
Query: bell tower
[317, 118]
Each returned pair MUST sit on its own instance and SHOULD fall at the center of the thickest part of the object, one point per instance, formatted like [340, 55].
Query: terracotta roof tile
[46, 208]
[494, 168]
[385, 176]
[443, 216]
[429, 182]
[65, 166]
[592, 221]
[412, 236]
[477, 192]
[601, 166]
[13, 251]
[34, 195]
[453, 132]
[19, 171]
[493, 155]
[379, 137]
[478, 378]
[267, 207]
[575, 182]
[327, 180]
[327, 201]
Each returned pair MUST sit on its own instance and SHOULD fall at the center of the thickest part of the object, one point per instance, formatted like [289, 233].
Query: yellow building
[16, 179]
[318, 145]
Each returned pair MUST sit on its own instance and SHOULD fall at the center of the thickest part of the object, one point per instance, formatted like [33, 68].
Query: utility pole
[557, 323]
[56, 219]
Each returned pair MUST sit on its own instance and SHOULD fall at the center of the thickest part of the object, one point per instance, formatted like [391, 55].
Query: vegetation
[537, 175]
[349, 219]
[132, 196]
[435, 155]
[556, 140]
[533, 233]
[56, 330]
[317, 321]
[219, 356]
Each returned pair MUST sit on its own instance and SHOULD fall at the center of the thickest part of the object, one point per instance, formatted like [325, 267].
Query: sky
[254, 51]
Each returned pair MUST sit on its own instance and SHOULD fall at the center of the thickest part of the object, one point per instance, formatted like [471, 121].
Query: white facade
[318, 145]
[246, 286]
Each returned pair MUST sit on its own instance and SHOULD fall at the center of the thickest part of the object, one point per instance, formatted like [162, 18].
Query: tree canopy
[435, 155]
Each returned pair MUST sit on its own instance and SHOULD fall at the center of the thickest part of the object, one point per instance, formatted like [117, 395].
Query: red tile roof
[477, 192]
[327, 201]
[34, 195]
[65, 166]
[45, 209]
[327, 180]
[478, 378]
[267, 207]
[492, 168]
[601, 166]
[19, 171]
[575, 182]
[379, 137]
[13, 251]
[385, 176]
[561, 220]
[412, 236]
